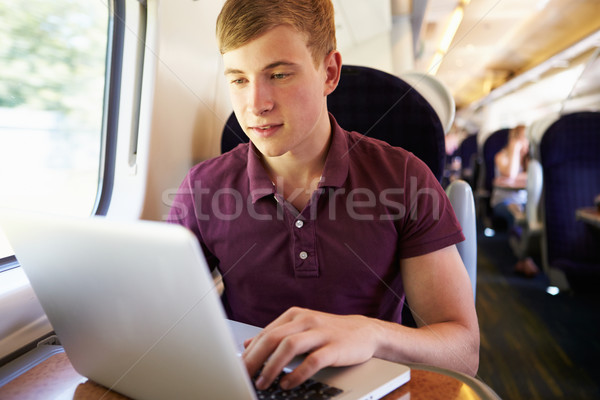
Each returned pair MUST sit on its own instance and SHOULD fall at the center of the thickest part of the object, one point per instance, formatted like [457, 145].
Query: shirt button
[299, 224]
[303, 255]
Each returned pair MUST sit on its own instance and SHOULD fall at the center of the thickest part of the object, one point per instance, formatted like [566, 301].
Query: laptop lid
[136, 309]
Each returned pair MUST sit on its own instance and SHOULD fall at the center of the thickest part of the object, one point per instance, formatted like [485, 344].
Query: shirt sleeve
[183, 211]
[429, 223]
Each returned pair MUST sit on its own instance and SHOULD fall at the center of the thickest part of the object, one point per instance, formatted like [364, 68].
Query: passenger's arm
[508, 161]
[440, 296]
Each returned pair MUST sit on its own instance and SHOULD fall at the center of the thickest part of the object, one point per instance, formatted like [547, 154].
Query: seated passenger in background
[511, 164]
[509, 203]
[454, 163]
[320, 234]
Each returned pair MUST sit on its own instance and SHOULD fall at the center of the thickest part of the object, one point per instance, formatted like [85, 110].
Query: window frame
[114, 60]
[9, 262]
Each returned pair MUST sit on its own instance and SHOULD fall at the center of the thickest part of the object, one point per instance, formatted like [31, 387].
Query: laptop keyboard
[309, 390]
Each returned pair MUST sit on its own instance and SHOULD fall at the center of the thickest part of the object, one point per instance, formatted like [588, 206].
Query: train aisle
[534, 345]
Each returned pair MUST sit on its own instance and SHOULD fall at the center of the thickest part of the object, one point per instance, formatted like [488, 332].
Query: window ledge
[27, 361]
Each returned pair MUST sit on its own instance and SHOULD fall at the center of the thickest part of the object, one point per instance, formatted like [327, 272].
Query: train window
[52, 104]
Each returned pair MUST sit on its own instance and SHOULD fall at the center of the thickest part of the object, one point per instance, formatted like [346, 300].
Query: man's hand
[327, 339]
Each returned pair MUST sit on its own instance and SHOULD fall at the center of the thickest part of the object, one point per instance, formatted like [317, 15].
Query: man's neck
[297, 177]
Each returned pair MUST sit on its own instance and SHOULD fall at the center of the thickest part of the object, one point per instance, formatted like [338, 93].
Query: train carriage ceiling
[496, 40]
[500, 39]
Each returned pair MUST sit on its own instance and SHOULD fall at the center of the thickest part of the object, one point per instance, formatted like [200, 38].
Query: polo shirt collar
[336, 166]
[260, 183]
[335, 170]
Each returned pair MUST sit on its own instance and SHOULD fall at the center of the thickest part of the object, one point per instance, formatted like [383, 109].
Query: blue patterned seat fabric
[570, 157]
[492, 145]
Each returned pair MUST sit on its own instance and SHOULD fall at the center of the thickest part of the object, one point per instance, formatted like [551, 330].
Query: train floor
[534, 345]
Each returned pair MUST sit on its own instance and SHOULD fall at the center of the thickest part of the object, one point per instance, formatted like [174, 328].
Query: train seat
[436, 93]
[526, 238]
[467, 151]
[385, 107]
[569, 153]
[491, 146]
[460, 194]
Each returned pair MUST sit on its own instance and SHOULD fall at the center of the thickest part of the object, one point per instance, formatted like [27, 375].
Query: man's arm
[440, 296]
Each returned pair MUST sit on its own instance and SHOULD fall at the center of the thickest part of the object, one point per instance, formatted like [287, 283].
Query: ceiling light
[590, 42]
[455, 20]
[436, 62]
[541, 4]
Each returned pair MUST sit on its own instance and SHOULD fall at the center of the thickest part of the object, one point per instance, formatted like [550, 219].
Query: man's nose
[261, 99]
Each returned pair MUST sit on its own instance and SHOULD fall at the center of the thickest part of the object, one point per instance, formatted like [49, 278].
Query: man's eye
[280, 76]
[238, 81]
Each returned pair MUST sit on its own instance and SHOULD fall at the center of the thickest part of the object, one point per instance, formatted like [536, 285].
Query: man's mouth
[265, 130]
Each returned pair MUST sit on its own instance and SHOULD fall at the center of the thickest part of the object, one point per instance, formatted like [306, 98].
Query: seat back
[379, 105]
[535, 183]
[460, 195]
[383, 106]
[491, 146]
[570, 158]
[525, 239]
[233, 134]
[436, 94]
[467, 151]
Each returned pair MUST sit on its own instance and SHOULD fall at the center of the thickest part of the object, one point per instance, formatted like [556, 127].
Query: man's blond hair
[241, 21]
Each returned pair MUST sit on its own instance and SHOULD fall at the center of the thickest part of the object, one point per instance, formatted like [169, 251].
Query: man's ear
[333, 69]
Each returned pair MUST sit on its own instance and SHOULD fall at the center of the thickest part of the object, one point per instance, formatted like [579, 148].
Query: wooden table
[56, 379]
[589, 215]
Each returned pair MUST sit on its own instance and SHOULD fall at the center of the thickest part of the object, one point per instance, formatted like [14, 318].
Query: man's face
[277, 93]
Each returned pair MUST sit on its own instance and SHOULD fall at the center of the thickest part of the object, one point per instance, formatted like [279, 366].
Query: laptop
[136, 309]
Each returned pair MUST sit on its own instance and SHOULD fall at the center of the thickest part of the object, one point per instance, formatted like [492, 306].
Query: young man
[319, 233]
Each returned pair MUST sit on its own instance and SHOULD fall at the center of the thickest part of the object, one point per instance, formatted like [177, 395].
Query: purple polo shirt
[375, 205]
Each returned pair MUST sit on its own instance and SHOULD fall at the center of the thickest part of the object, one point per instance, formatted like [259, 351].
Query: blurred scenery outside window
[52, 80]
